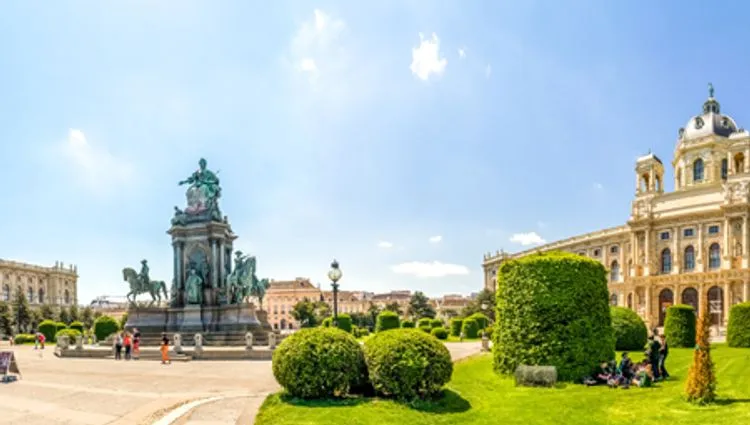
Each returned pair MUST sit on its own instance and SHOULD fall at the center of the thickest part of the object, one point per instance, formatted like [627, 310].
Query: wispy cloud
[598, 186]
[385, 244]
[95, 165]
[436, 239]
[313, 43]
[461, 53]
[426, 60]
[526, 239]
[488, 71]
[430, 269]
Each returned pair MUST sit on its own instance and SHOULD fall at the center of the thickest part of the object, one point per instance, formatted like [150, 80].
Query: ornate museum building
[56, 285]
[681, 245]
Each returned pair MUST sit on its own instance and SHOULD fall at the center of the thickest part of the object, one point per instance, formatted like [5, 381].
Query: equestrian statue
[242, 283]
[140, 283]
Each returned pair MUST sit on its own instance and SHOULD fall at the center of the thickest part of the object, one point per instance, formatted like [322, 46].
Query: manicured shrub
[679, 326]
[489, 331]
[327, 322]
[436, 323]
[553, 310]
[355, 331]
[456, 325]
[630, 331]
[364, 332]
[344, 322]
[439, 333]
[426, 329]
[738, 329]
[387, 320]
[482, 320]
[48, 328]
[470, 328]
[407, 364]
[407, 324]
[425, 321]
[60, 326]
[70, 333]
[24, 339]
[319, 363]
[77, 325]
[105, 326]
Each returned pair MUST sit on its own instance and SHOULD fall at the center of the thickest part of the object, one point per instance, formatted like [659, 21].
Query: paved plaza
[56, 391]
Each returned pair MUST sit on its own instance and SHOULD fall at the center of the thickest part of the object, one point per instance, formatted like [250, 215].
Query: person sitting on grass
[643, 376]
[625, 370]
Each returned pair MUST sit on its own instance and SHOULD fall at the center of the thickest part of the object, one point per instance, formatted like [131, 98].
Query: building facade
[56, 285]
[680, 246]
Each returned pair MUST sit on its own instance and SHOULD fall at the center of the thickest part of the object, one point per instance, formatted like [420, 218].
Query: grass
[477, 395]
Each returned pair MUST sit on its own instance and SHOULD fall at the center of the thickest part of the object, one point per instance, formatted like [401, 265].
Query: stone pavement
[56, 391]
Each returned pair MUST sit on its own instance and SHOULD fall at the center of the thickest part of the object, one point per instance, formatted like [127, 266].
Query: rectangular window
[688, 233]
[597, 253]
[712, 230]
[664, 236]
[614, 249]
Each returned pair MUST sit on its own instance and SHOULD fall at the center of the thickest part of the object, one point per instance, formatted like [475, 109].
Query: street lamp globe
[335, 273]
[484, 305]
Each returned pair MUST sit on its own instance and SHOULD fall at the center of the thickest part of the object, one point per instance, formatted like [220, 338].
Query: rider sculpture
[140, 283]
[143, 276]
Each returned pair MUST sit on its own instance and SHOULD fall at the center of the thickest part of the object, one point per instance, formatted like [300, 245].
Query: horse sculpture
[155, 288]
[243, 283]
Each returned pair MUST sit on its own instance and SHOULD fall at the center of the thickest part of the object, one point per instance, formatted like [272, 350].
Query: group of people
[128, 342]
[642, 374]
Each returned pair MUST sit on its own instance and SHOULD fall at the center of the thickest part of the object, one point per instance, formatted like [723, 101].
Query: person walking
[42, 340]
[136, 344]
[164, 349]
[653, 355]
[36, 340]
[663, 353]
[127, 342]
[118, 346]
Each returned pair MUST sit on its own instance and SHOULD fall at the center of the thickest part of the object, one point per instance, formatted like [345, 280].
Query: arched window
[630, 301]
[666, 261]
[67, 297]
[613, 299]
[714, 256]
[724, 168]
[614, 271]
[6, 293]
[689, 258]
[698, 170]
[40, 299]
[739, 163]
[30, 294]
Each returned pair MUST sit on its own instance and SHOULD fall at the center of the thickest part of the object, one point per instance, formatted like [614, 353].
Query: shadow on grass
[729, 401]
[448, 402]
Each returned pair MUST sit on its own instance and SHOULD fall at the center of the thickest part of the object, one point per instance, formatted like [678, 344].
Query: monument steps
[211, 339]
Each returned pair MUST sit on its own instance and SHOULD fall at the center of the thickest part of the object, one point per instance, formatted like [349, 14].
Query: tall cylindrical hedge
[630, 330]
[470, 328]
[48, 328]
[436, 323]
[456, 325]
[77, 326]
[344, 322]
[424, 322]
[738, 329]
[482, 320]
[553, 310]
[407, 324]
[387, 320]
[679, 326]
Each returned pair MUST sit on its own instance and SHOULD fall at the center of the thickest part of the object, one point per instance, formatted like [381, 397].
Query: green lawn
[476, 395]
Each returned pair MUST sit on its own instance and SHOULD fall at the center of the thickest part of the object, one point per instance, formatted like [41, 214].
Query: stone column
[745, 239]
[730, 164]
[222, 259]
[727, 302]
[676, 254]
[633, 255]
[176, 265]
[647, 252]
[745, 291]
[727, 264]
[647, 292]
[214, 259]
[651, 180]
[746, 161]
[699, 254]
[637, 183]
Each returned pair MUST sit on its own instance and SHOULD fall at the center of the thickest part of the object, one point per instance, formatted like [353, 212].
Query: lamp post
[485, 340]
[335, 275]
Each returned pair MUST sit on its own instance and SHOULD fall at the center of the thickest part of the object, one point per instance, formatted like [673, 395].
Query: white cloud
[96, 166]
[461, 53]
[425, 59]
[436, 239]
[313, 44]
[598, 186]
[525, 239]
[488, 70]
[385, 245]
[427, 269]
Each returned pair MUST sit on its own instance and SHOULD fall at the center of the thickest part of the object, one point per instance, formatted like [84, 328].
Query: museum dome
[710, 122]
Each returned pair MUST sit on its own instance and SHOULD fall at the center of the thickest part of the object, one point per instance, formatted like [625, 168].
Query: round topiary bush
[482, 320]
[553, 310]
[105, 326]
[439, 333]
[326, 323]
[630, 331]
[387, 320]
[407, 364]
[436, 323]
[61, 326]
[426, 329]
[679, 326]
[407, 324]
[738, 329]
[425, 321]
[344, 322]
[70, 333]
[470, 328]
[48, 328]
[319, 363]
[456, 325]
[77, 326]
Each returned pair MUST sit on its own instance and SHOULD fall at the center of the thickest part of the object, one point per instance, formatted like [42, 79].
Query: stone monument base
[220, 325]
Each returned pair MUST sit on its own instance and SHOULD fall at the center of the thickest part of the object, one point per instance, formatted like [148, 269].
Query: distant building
[56, 285]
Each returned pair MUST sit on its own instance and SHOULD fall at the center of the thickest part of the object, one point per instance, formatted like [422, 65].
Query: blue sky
[339, 131]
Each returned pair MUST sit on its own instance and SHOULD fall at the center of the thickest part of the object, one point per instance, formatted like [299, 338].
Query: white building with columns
[681, 245]
[55, 285]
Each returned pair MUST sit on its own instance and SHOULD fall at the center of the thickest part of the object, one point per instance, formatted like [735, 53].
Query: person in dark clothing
[653, 356]
[663, 353]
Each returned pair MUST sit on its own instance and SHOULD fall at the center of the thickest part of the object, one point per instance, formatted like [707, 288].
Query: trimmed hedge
[426, 329]
[456, 325]
[387, 320]
[679, 326]
[482, 320]
[24, 338]
[552, 309]
[319, 363]
[105, 326]
[407, 324]
[76, 325]
[630, 330]
[61, 326]
[70, 333]
[48, 328]
[439, 333]
[489, 331]
[326, 323]
[436, 323]
[470, 328]
[407, 364]
[425, 321]
[344, 322]
[738, 329]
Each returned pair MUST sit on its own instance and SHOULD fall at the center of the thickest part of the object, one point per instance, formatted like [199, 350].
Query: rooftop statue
[202, 197]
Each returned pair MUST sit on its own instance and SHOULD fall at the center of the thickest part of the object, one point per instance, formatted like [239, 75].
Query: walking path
[56, 391]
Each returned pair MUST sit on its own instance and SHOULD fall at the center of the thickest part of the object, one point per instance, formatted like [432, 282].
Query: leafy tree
[75, 314]
[304, 313]
[123, 320]
[6, 319]
[21, 312]
[373, 310]
[87, 317]
[35, 317]
[485, 297]
[419, 306]
[97, 314]
[47, 312]
[394, 307]
[64, 315]
[362, 320]
[322, 310]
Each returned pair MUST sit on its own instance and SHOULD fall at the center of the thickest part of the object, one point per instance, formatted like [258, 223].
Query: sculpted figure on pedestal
[194, 287]
[202, 196]
[140, 283]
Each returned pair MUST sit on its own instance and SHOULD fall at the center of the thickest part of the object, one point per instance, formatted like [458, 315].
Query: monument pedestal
[191, 319]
